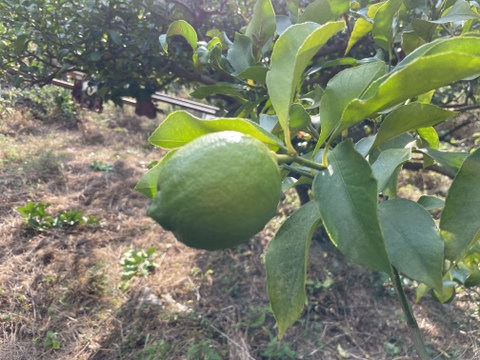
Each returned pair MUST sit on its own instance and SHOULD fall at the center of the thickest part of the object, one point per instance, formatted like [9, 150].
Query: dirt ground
[62, 295]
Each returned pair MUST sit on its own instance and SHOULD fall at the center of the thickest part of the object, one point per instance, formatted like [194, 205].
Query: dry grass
[63, 284]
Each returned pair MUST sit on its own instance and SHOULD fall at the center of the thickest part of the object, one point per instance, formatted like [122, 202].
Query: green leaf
[262, 26]
[460, 11]
[299, 118]
[20, 42]
[362, 27]
[292, 52]
[386, 164]
[430, 202]
[429, 137]
[240, 54]
[257, 73]
[286, 265]
[322, 11]
[180, 127]
[346, 194]
[219, 88]
[148, 183]
[424, 29]
[115, 36]
[383, 24]
[347, 85]
[183, 28]
[410, 41]
[449, 160]
[429, 67]
[460, 220]
[473, 279]
[409, 118]
[414, 245]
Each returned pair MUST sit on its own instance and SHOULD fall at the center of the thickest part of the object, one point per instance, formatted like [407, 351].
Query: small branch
[462, 107]
[419, 166]
[411, 321]
[287, 159]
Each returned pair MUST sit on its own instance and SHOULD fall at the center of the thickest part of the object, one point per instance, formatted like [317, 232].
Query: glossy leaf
[180, 127]
[148, 183]
[382, 29]
[448, 159]
[262, 25]
[286, 265]
[409, 118]
[429, 67]
[414, 245]
[430, 202]
[460, 220]
[322, 11]
[386, 164]
[240, 54]
[429, 137]
[183, 28]
[362, 27]
[460, 11]
[291, 54]
[220, 88]
[347, 85]
[346, 194]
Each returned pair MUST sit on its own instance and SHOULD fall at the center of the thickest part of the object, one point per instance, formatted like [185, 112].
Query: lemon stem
[287, 159]
[412, 323]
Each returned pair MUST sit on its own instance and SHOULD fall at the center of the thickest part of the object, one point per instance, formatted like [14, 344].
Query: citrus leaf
[180, 127]
[460, 220]
[386, 164]
[322, 11]
[362, 27]
[286, 265]
[452, 161]
[292, 52]
[383, 24]
[240, 54]
[460, 11]
[429, 137]
[263, 25]
[183, 28]
[430, 202]
[414, 245]
[408, 118]
[429, 67]
[346, 194]
[220, 88]
[148, 183]
[341, 90]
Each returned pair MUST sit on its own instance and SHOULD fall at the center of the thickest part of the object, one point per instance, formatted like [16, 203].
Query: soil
[62, 295]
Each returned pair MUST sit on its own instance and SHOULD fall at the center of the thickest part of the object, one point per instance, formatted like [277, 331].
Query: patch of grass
[37, 218]
[101, 166]
[135, 263]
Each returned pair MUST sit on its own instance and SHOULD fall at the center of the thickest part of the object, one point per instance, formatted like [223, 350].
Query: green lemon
[218, 190]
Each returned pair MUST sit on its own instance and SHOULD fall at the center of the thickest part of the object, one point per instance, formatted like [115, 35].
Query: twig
[232, 341]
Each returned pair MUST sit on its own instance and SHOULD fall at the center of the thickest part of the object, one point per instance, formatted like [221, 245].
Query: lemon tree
[216, 188]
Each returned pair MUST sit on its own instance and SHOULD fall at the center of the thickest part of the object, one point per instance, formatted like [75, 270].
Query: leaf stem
[287, 159]
[411, 321]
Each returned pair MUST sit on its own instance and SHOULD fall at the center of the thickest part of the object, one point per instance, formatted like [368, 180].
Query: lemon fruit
[217, 191]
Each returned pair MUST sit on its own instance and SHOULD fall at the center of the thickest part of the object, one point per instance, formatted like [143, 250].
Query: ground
[62, 295]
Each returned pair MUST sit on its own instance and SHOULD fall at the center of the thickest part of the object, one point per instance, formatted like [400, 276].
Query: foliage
[51, 341]
[136, 263]
[283, 85]
[101, 166]
[37, 217]
[114, 43]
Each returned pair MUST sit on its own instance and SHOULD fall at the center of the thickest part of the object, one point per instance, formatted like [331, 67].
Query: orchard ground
[62, 295]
